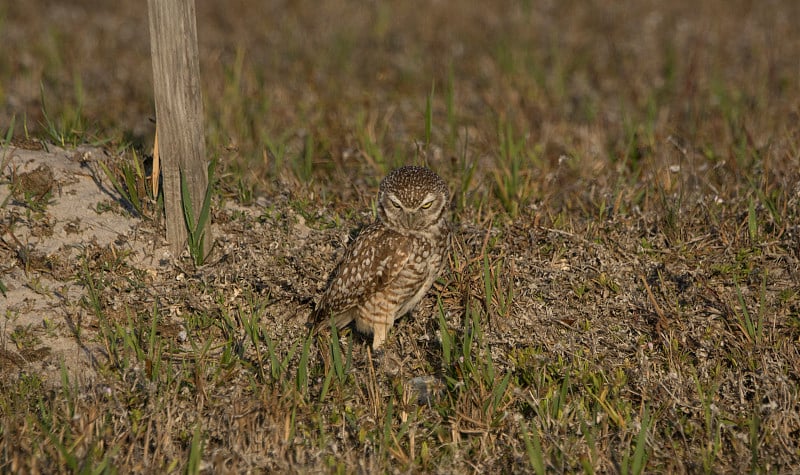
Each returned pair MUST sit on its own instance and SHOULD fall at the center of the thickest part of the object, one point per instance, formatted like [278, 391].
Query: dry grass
[624, 296]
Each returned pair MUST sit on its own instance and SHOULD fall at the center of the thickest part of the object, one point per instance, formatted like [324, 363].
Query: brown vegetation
[625, 295]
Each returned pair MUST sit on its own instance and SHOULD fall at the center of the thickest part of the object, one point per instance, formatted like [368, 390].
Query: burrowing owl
[392, 263]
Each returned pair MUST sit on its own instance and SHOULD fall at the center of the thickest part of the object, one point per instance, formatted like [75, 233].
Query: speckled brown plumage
[393, 262]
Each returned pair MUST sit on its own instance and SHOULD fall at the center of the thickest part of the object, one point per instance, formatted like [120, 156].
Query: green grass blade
[274, 361]
[447, 339]
[752, 221]
[195, 452]
[558, 404]
[133, 190]
[336, 353]
[499, 390]
[488, 284]
[10, 130]
[326, 383]
[188, 212]
[206, 209]
[533, 448]
[302, 367]
[751, 328]
[640, 454]
[114, 182]
[285, 362]
[387, 423]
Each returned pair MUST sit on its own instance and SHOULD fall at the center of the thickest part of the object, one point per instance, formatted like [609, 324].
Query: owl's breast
[424, 264]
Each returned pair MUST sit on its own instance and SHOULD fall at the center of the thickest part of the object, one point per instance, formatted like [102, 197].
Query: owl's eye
[427, 205]
[396, 204]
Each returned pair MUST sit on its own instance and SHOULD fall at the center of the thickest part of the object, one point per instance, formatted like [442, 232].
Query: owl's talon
[377, 357]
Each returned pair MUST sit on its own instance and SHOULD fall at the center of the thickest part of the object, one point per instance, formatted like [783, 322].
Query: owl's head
[412, 198]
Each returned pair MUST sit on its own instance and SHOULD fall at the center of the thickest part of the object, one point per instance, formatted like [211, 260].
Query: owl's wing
[373, 261]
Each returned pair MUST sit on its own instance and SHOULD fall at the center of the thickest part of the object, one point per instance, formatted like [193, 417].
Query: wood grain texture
[179, 112]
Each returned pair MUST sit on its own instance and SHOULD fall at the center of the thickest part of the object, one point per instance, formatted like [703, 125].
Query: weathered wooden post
[179, 113]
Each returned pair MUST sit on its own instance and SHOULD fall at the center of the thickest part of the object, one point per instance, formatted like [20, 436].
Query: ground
[623, 294]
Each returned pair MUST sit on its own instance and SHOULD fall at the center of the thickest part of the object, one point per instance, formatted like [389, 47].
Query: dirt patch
[61, 216]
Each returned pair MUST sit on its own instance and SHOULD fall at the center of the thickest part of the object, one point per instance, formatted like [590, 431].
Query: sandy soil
[61, 212]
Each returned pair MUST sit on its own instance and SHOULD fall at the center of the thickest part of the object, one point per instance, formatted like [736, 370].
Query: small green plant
[244, 192]
[497, 300]
[24, 337]
[512, 181]
[533, 449]
[634, 465]
[557, 400]
[751, 325]
[466, 172]
[336, 354]
[278, 367]
[752, 221]
[69, 128]
[37, 203]
[580, 289]
[133, 186]
[197, 231]
[603, 280]
[370, 140]
[8, 135]
[304, 167]
[256, 336]
[712, 448]
[195, 452]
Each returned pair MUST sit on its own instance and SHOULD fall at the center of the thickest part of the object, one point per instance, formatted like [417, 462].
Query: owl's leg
[379, 332]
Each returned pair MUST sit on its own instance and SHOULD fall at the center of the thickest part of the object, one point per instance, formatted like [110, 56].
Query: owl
[393, 262]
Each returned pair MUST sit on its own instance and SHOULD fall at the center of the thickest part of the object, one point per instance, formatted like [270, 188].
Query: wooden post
[179, 113]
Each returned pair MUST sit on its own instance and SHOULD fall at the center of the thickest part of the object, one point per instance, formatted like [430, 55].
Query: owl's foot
[379, 336]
